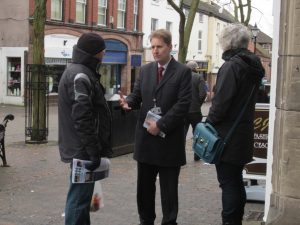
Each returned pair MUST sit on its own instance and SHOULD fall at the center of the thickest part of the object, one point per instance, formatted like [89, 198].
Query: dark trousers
[146, 188]
[192, 119]
[233, 192]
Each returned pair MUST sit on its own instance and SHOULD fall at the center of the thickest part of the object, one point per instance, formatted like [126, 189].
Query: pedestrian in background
[241, 71]
[163, 87]
[198, 97]
[84, 121]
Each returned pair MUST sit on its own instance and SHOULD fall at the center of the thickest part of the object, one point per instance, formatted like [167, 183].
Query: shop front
[113, 65]
[58, 52]
[12, 70]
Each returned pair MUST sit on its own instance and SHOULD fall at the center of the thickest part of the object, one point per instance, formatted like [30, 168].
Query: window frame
[154, 21]
[201, 17]
[121, 11]
[200, 33]
[104, 14]
[135, 14]
[61, 10]
[169, 26]
[84, 4]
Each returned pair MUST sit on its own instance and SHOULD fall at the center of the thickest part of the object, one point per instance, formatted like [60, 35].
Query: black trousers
[233, 192]
[146, 188]
[192, 119]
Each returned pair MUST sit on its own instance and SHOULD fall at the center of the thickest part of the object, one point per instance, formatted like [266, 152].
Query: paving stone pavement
[33, 189]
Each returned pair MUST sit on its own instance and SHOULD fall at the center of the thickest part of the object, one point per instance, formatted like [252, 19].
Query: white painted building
[204, 45]
[158, 14]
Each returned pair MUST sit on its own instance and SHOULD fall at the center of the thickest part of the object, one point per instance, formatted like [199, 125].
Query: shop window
[110, 78]
[13, 76]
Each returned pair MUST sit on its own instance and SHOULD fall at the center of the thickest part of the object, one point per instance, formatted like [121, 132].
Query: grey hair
[234, 36]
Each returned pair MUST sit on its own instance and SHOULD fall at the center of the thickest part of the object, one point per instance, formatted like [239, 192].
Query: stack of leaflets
[155, 117]
[82, 175]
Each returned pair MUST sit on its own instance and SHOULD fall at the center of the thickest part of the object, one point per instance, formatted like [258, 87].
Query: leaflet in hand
[81, 175]
[155, 117]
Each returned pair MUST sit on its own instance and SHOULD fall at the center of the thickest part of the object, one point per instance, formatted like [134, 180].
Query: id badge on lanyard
[156, 110]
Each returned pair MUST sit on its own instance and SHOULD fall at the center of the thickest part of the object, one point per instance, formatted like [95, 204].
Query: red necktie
[160, 74]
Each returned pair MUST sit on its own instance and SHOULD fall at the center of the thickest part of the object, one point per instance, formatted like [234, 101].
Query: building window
[135, 15]
[218, 29]
[199, 40]
[169, 26]
[154, 24]
[102, 7]
[56, 9]
[14, 76]
[200, 18]
[121, 14]
[80, 11]
[217, 52]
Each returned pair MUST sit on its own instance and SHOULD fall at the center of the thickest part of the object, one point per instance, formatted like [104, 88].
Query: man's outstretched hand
[123, 102]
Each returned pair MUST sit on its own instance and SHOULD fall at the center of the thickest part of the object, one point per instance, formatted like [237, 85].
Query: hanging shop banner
[261, 125]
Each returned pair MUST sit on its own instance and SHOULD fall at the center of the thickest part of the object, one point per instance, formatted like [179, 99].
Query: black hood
[81, 57]
[249, 59]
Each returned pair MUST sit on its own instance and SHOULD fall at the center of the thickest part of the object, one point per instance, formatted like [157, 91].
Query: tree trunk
[185, 28]
[38, 74]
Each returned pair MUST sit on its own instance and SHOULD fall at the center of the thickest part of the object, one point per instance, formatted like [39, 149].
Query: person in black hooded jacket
[84, 121]
[241, 71]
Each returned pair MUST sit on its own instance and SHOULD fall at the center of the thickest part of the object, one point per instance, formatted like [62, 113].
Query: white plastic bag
[97, 198]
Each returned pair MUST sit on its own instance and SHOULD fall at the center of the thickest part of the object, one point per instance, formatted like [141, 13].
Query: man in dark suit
[164, 88]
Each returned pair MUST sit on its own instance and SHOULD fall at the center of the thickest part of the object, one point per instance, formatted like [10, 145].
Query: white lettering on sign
[260, 145]
[260, 136]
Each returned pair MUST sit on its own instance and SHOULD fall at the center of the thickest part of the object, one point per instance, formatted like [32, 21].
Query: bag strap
[239, 117]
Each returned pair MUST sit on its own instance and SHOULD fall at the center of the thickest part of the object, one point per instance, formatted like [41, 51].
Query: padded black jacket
[84, 116]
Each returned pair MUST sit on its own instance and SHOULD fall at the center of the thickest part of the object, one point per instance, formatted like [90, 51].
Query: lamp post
[255, 32]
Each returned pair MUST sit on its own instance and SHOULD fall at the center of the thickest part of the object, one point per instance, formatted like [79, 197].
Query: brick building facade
[119, 22]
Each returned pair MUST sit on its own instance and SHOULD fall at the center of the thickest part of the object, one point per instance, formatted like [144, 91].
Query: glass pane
[120, 22]
[80, 13]
[56, 9]
[199, 45]
[154, 24]
[135, 22]
[14, 76]
[102, 16]
[135, 7]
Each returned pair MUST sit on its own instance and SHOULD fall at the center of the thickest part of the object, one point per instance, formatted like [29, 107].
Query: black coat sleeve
[225, 90]
[83, 115]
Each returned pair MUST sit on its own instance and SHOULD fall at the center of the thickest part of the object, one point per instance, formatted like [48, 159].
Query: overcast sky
[262, 14]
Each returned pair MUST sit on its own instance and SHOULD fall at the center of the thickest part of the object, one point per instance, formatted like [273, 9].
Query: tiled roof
[262, 38]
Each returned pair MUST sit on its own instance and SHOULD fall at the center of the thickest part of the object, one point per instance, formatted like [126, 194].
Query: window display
[14, 76]
[110, 78]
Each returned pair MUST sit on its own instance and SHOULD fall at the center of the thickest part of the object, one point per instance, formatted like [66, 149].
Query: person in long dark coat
[198, 97]
[236, 78]
[169, 97]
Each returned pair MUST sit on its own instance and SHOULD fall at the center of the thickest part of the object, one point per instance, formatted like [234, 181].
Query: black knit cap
[91, 43]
